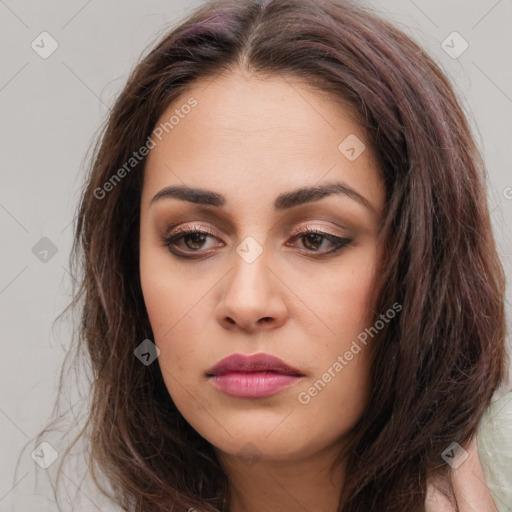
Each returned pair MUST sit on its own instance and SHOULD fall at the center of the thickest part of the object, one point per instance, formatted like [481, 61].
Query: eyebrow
[283, 201]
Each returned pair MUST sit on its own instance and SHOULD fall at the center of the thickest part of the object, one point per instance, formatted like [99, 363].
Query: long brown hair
[436, 365]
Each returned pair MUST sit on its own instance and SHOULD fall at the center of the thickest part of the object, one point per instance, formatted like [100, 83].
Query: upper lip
[252, 363]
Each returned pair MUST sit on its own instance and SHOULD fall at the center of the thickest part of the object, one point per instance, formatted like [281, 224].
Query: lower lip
[252, 384]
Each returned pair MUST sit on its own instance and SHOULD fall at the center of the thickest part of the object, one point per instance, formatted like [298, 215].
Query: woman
[292, 295]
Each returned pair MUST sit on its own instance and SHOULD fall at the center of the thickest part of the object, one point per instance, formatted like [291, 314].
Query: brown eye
[196, 240]
[313, 239]
[193, 241]
[192, 238]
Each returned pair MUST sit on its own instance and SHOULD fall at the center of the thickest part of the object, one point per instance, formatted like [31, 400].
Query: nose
[252, 298]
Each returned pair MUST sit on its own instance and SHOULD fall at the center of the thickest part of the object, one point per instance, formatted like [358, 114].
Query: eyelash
[173, 239]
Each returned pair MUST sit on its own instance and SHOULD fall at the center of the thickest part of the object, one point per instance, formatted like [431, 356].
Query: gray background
[52, 108]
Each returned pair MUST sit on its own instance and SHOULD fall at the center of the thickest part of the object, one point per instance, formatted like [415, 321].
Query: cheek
[174, 309]
[332, 401]
[339, 297]
[168, 295]
[170, 319]
[164, 300]
[343, 359]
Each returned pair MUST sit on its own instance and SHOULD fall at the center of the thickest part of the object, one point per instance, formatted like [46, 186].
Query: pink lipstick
[252, 376]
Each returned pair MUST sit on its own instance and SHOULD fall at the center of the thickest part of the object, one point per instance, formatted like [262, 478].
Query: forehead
[257, 136]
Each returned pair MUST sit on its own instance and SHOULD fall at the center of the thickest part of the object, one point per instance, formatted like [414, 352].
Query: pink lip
[252, 376]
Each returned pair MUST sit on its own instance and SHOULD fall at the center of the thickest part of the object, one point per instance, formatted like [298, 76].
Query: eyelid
[324, 229]
[301, 228]
[173, 230]
[338, 241]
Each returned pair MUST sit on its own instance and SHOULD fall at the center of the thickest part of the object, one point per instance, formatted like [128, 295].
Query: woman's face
[255, 282]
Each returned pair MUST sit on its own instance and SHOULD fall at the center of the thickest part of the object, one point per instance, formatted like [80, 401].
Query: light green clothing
[494, 440]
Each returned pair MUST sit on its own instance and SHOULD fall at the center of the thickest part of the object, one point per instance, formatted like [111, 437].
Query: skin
[252, 138]
[469, 485]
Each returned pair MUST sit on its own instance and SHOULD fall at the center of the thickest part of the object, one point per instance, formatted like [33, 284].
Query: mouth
[253, 376]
